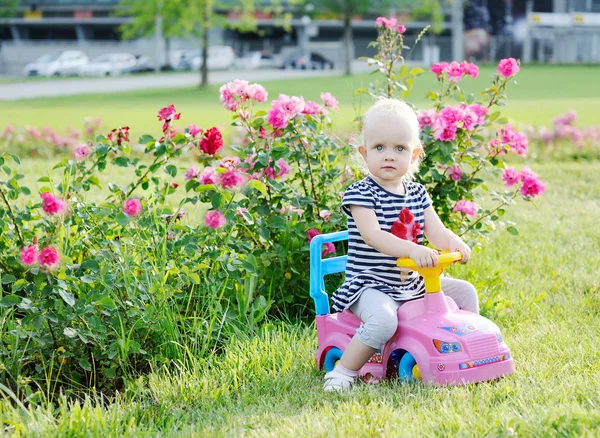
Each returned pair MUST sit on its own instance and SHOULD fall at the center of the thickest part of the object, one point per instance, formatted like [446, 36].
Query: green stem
[489, 214]
[12, 216]
[139, 181]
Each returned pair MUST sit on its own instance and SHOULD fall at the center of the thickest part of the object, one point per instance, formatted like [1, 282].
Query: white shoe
[336, 381]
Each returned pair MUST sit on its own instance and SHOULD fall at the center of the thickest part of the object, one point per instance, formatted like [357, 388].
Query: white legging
[378, 311]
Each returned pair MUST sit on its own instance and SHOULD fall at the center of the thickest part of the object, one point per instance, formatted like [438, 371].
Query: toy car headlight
[447, 347]
[499, 337]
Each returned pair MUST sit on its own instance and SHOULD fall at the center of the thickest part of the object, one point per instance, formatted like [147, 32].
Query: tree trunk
[167, 53]
[347, 45]
[204, 66]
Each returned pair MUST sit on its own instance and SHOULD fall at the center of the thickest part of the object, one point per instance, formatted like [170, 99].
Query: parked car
[258, 59]
[108, 65]
[219, 58]
[66, 63]
[310, 61]
[142, 65]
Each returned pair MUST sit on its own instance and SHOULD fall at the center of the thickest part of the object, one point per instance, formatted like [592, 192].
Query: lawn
[541, 93]
[268, 386]
[540, 287]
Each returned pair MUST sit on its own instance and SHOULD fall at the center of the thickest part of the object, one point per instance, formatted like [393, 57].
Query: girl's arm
[441, 237]
[387, 243]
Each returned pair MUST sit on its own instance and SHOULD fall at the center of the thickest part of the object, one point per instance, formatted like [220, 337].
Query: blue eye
[399, 148]
[379, 147]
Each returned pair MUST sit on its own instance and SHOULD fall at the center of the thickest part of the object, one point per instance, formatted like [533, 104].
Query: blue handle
[320, 268]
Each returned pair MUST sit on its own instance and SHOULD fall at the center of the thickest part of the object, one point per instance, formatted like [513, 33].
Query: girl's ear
[362, 151]
[417, 153]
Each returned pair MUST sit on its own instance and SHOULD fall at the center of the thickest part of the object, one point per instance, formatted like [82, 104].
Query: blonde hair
[402, 110]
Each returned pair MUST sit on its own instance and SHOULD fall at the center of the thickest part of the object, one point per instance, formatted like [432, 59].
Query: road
[65, 87]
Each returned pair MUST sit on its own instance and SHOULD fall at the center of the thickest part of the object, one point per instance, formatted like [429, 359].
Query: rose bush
[95, 291]
[461, 169]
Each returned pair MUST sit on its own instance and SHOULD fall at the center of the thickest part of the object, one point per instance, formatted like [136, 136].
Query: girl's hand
[457, 244]
[424, 257]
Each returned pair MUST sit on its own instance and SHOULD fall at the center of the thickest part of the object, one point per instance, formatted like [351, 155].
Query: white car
[67, 63]
[108, 65]
[253, 60]
[219, 58]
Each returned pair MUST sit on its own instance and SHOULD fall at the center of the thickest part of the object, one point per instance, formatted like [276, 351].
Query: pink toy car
[435, 342]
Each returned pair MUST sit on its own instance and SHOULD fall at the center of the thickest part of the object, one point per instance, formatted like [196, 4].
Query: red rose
[212, 141]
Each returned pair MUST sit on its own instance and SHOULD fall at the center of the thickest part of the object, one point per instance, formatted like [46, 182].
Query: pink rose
[48, 257]
[82, 152]
[470, 69]
[132, 207]
[438, 69]
[468, 118]
[455, 71]
[29, 254]
[192, 173]
[231, 179]
[193, 130]
[229, 163]
[328, 248]
[455, 173]
[168, 113]
[508, 67]
[400, 29]
[278, 119]
[214, 219]
[257, 92]
[427, 118]
[330, 101]
[311, 107]
[467, 207]
[291, 106]
[481, 112]
[326, 215]
[311, 233]
[450, 115]
[208, 176]
[510, 176]
[532, 187]
[388, 23]
[52, 205]
[445, 133]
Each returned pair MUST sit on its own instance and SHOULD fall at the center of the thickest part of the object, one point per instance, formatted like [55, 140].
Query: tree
[202, 15]
[145, 13]
[8, 8]
[352, 8]
[348, 9]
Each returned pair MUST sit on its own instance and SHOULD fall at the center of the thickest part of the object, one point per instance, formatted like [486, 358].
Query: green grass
[541, 93]
[268, 386]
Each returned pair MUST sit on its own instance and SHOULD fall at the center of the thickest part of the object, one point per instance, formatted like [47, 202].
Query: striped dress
[367, 267]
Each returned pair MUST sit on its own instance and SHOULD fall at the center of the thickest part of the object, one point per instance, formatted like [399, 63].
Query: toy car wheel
[331, 358]
[408, 369]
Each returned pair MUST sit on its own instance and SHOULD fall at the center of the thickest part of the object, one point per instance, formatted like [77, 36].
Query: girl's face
[387, 149]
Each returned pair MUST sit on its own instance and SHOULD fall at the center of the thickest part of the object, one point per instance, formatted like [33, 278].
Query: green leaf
[123, 219]
[259, 185]
[277, 222]
[85, 364]
[513, 231]
[8, 279]
[171, 170]
[19, 285]
[416, 71]
[70, 332]
[10, 300]
[15, 158]
[106, 302]
[67, 297]
[216, 200]
[145, 139]
[121, 161]
[92, 265]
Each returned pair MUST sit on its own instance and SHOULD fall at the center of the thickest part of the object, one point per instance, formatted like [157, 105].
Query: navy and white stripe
[366, 266]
